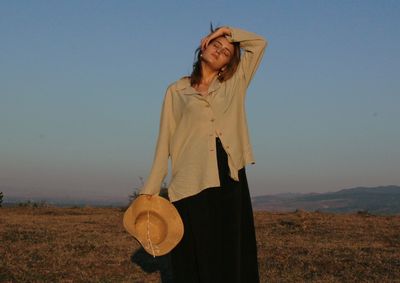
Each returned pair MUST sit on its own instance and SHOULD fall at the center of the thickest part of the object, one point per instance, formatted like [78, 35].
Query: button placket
[211, 142]
[212, 129]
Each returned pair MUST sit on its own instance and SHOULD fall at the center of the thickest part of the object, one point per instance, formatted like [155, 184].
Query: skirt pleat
[219, 241]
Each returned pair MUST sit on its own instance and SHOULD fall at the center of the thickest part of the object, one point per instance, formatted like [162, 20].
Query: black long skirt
[219, 241]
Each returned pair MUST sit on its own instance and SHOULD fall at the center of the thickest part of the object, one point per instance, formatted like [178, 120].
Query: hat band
[150, 244]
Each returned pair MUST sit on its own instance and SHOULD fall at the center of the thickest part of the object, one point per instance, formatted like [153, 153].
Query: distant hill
[375, 200]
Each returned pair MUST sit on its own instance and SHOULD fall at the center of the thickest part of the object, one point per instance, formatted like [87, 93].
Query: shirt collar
[184, 86]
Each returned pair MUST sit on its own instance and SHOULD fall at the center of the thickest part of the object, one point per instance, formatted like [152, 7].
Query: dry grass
[91, 245]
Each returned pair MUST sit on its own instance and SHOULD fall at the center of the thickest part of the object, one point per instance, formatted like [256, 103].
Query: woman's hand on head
[219, 32]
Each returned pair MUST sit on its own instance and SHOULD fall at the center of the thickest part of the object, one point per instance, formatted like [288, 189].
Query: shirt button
[207, 105]
[227, 147]
[220, 133]
[212, 120]
[211, 149]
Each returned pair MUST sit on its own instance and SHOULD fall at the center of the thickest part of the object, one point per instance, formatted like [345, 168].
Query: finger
[146, 195]
[202, 44]
[206, 41]
[203, 47]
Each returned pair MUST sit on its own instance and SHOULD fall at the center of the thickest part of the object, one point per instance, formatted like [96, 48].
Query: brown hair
[227, 73]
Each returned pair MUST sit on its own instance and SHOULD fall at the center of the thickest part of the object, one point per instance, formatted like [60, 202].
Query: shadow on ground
[151, 264]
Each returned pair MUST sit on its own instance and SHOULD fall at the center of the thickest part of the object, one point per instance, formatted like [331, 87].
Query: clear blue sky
[82, 82]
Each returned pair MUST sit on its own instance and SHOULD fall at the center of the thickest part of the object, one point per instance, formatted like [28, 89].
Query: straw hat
[155, 223]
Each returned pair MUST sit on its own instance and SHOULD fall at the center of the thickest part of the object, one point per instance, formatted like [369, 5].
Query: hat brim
[160, 212]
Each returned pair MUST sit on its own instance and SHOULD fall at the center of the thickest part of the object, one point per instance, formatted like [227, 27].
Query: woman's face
[218, 53]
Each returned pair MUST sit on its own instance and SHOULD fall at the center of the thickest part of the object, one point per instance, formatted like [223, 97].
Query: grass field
[91, 245]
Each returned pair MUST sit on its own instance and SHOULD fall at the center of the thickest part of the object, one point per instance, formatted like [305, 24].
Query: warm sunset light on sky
[82, 82]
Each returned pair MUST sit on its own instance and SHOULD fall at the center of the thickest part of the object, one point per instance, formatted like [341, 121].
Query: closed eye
[217, 44]
[227, 53]
[225, 50]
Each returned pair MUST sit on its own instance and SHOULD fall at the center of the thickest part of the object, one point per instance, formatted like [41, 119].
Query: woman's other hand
[222, 31]
[147, 196]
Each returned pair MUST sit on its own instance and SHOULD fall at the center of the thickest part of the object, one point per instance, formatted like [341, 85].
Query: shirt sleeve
[253, 46]
[159, 169]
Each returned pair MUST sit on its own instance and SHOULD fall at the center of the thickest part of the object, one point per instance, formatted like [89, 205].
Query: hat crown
[153, 225]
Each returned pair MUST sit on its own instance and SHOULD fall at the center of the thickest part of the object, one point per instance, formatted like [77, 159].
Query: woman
[203, 129]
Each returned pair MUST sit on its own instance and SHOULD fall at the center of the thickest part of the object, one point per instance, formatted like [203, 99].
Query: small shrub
[135, 194]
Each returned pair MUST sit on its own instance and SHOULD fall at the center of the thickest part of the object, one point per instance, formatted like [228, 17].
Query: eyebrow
[226, 48]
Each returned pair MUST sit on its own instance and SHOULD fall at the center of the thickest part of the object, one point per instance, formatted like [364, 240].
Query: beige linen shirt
[190, 123]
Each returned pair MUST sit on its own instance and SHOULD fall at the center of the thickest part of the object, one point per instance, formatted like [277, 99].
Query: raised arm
[251, 43]
[253, 46]
[159, 169]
